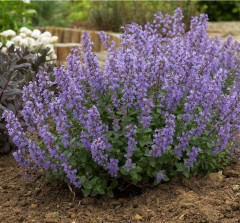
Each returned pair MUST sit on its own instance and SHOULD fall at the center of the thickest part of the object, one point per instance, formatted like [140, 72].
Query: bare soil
[212, 198]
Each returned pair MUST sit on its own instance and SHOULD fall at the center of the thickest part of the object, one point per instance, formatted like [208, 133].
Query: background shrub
[52, 13]
[165, 103]
[15, 14]
[221, 10]
[112, 15]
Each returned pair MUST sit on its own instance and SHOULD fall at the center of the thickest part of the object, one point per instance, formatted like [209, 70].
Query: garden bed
[214, 198]
[200, 198]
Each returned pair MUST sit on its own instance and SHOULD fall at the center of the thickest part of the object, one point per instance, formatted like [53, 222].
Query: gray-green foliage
[17, 67]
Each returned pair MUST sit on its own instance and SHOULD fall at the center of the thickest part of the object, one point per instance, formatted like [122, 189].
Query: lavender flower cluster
[165, 96]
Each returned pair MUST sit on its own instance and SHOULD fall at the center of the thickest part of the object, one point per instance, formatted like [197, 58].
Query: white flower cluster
[34, 40]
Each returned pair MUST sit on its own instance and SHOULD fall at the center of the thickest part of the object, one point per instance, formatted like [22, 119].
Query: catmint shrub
[165, 103]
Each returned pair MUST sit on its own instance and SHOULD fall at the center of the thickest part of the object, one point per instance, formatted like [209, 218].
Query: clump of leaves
[17, 68]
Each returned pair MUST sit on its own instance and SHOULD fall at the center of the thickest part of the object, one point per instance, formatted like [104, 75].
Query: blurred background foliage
[105, 15]
[50, 13]
[14, 14]
[221, 10]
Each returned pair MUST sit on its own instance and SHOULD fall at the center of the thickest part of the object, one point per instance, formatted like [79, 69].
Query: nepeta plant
[165, 103]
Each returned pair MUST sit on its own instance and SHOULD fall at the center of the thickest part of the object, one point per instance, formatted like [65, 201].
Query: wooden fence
[69, 38]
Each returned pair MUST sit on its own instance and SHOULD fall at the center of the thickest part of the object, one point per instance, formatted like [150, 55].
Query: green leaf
[87, 185]
[83, 158]
[199, 109]
[186, 173]
[180, 167]
[119, 112]
[123, 171]
[69, 153]
[89, 169]
[127, 120]
[110, 133]
[113, 184]
[116, 141]
[165, 178]
[152, 163]
[149, 171]
[135, 176]
[179, 117]
[83, 179]
[172, 172]
[101, 191]
[138, 153]
[73, 140]
[194, 138]
[138, 168]
[94, 193]
[209, 145]
[110, 194]
[86, 192]
[147, 154]
[94, 180]
[141, 142]
[147, 130]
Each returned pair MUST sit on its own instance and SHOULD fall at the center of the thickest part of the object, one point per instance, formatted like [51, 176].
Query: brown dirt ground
[213, 198]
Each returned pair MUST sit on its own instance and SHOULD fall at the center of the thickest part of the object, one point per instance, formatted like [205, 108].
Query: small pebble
[6, 204]
[23, 203]
[236, 188]
[215, 179]
[135, 204]
[115, 203]
[71, 205]
[88, 201]
[14, 202]
[29, 193]
[34, 206]
[186, 205]
[18, 210]
[73, 215]
[37, 190]
[182, 217]
[20, 218]
[138, 217]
